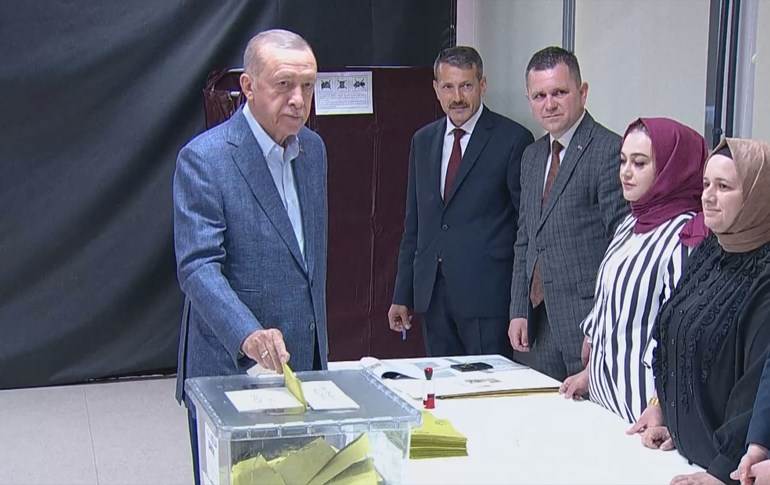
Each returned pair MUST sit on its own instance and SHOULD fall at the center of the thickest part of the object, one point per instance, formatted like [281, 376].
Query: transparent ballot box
[354, 430]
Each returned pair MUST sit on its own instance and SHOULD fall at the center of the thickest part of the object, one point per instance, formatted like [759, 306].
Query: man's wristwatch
[654, 401]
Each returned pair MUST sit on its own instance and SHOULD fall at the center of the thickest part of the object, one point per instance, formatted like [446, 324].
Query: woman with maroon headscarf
[661, 172]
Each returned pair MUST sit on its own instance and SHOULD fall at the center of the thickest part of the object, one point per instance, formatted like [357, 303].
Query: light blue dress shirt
[279, 161]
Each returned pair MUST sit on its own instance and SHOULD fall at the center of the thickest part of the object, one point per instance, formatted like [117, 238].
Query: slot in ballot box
[247, 433]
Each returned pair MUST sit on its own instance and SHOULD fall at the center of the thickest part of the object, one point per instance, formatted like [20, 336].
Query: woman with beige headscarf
[713, 334]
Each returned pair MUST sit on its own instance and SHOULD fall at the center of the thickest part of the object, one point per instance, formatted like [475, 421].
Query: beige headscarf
[751, 228]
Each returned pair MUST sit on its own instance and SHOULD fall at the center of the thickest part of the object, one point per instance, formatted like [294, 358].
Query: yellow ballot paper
[437, 438]
[293, 384]
[436, 429]
[357, 450]
[300, 467]
[255, 470]
[317, 463]
[361, 473]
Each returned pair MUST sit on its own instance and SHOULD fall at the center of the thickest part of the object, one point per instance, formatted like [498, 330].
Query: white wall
[466, 22]
[639, 57]
[761, 125]
[506, 33]
[644, 58]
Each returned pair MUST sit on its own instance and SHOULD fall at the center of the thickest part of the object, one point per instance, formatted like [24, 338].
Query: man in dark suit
[462, 204]
[571, 202]
[250, 226]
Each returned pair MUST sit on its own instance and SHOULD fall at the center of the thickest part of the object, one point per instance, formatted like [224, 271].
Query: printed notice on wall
[343, 93]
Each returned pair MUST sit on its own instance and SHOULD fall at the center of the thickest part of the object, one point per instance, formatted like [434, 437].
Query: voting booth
[254, 430]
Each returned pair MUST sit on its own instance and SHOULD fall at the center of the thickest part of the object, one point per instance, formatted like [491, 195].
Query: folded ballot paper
[437, 438]
[318, 463]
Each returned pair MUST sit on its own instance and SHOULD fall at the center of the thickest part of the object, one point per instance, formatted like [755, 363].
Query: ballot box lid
[379, 408]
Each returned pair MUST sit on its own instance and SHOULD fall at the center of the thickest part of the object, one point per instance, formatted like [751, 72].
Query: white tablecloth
[541, 439]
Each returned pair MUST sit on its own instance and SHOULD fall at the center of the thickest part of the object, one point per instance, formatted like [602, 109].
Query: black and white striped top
[636, 277]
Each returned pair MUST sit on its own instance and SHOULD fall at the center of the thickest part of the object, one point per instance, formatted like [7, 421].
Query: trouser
[447, 334]
[549, 356]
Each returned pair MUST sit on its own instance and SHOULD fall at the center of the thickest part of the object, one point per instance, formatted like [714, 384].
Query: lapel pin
[580, 147]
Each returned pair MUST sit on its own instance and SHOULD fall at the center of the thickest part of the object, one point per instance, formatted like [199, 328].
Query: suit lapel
[435, 152]
[302, 176]
[541, 155]
[475, 146]
[575, 150]
[253, 166]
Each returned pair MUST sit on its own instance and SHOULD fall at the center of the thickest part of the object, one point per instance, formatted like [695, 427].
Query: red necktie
[454, 162]
[536, 290]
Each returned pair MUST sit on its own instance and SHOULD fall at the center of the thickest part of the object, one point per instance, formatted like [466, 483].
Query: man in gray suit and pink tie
[571, 203]
[250, 226]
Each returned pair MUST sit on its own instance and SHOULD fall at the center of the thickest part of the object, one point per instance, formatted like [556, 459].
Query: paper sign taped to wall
[343, 93]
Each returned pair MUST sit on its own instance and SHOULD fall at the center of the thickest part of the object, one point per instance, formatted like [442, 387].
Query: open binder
[505, 378]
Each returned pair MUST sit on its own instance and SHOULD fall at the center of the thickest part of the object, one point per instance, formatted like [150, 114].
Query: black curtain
[96, 99]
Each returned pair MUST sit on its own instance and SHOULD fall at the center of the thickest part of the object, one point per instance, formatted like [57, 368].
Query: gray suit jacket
[238, 260]
[572, 233]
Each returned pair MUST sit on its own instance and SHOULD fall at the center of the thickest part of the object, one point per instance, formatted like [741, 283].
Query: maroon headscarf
[680, 156]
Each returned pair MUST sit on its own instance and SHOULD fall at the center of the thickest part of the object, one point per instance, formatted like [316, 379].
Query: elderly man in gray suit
[250, 226]
[571, 202]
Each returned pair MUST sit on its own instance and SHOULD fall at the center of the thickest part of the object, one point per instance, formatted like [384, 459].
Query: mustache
[459, 104]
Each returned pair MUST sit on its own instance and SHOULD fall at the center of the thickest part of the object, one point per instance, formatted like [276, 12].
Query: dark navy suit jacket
[474, 232]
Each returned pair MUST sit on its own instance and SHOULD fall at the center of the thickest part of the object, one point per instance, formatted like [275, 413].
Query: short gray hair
[462, 57]
[279, 38]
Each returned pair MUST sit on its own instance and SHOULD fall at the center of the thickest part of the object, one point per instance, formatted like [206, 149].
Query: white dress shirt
[449, 140]
[279, 161]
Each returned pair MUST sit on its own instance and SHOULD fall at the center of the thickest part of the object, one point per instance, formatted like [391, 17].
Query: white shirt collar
[566, 138]
[267, 144]
[468, 126]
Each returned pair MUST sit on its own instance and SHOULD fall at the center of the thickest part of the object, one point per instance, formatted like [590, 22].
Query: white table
[541, 438]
